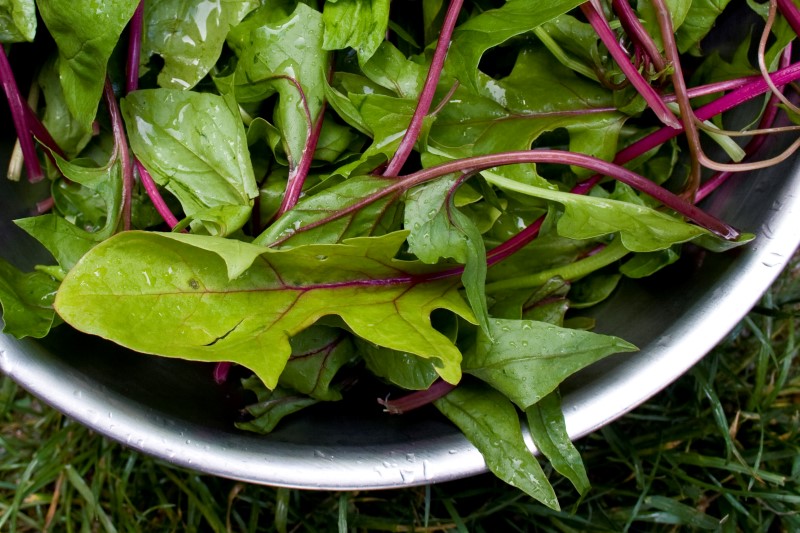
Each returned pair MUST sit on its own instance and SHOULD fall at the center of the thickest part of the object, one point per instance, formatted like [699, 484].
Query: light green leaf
[491, 423]
[17, 21]
[527, 360]
[642, 229]
[173, 298]
[194, 146]
[86, 34]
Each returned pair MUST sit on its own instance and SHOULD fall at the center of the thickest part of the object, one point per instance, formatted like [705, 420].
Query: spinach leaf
[272, 406]
[549, 433]
[189, 36]
[359, 24]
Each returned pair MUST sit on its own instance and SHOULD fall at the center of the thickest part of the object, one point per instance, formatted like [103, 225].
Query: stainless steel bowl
[173, 410]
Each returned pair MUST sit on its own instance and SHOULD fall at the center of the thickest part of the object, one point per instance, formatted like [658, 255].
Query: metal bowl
[173, 410]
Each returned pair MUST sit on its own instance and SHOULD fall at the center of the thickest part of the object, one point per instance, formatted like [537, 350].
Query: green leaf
[26, 301]
[172, 297]
[195, 147]
[549, 432]
[318, 353]
[17, 21]
[71, 134]
[358, 24]
[642, 228]
[527, 360]
[271, 406]
[389, 68]
[62, 238]
[491, 423]
[86, 34]
[440, 230]
[315, 210]
[189, 36]
[273, 55]
[699, 20]
[403, 369]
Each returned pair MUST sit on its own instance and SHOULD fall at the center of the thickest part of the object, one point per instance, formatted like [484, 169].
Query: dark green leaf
[549, 432]
[527, 360]
[318, 353]
[491, 423]
[271, 406]
[26, 301]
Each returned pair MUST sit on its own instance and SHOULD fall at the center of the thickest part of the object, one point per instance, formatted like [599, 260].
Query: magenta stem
[755, 144]
[294, 186]
[638, 35]
[134, 49]
[18, 106]
[121, 152]
[428, 90]
[417, 399]
[790, 13]
[606, 34]
[151, 189]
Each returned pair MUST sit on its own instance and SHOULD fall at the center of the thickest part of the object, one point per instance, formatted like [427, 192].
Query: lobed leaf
[172, 297]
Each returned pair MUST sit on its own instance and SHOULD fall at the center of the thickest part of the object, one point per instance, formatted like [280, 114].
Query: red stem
[134, 49]
[121, 152]
[606, 34]
[428, 91]
[18, 115]
[638, 35]
[417, 399]
[790, 13]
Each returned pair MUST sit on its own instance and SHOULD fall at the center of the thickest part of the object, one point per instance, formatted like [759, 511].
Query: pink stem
[417, 399]
[606, 34]
[427, 94]
[790, 13]
[633, 27]
[151, 189]
[134, 49]
[121, 152]
[18, 115]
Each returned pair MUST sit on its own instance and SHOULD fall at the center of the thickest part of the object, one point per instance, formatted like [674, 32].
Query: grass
[719, 450]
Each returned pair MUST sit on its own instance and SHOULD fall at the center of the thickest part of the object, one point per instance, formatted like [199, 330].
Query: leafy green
[172, 278]
[17, 20]
[272, 405]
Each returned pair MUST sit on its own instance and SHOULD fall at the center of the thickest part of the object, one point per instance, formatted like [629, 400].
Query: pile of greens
[429, 191]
